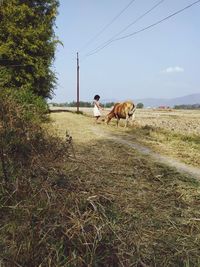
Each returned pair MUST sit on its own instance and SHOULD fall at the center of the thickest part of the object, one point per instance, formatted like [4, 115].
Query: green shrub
[22, 138]
[140, 105]
[34, 107]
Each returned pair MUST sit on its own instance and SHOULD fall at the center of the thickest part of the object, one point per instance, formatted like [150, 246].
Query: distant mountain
[155, 102]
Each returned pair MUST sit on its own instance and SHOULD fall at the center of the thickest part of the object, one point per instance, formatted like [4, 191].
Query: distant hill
[155, 102]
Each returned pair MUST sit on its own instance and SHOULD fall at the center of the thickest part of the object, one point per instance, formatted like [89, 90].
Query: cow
[123, 110]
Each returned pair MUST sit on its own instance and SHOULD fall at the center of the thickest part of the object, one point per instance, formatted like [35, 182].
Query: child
[97, 108]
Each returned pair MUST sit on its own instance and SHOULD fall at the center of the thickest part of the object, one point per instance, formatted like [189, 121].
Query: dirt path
[181, 167]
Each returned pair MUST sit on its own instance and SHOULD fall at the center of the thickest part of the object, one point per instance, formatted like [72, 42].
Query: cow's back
[124, 109]
[121, 110]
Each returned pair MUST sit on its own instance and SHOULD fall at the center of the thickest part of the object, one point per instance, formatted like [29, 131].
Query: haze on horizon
[161, 62]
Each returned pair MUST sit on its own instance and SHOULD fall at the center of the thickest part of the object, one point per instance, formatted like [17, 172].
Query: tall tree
[27, 45]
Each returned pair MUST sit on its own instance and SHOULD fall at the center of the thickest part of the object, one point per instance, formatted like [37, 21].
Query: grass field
[173, 132]
[143, 213]
[94, 197]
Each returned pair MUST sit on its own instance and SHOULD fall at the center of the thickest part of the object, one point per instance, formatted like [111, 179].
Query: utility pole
[77, 105]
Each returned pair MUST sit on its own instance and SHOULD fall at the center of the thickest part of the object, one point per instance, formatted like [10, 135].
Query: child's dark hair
[96, 97]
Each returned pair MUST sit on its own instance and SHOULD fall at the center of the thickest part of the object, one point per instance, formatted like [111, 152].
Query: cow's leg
[132, 119]
[118, 121]
[126, 123]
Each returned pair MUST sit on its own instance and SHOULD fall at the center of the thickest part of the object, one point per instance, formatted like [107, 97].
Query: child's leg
[97, 117]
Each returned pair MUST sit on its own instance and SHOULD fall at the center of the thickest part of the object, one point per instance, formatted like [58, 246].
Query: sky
[160, 62]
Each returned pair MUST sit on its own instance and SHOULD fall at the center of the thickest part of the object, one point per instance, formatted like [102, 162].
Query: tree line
[87, 104]
[110, 104]
[194, 106]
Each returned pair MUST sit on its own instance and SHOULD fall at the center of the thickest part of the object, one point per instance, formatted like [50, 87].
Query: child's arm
[100, 106]
[97, 104]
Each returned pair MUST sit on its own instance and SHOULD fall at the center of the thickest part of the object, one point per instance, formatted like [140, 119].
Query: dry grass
[175, 133]
[186, 148]
[154, 208]
[186, 122]
[152, 211]
[109, 206]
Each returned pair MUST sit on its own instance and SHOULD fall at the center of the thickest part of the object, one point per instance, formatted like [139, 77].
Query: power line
[128, 26]
[158, 22]
[107, 25]
[146, 28]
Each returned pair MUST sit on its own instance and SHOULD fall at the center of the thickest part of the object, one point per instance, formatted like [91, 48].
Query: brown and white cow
[123, 110]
